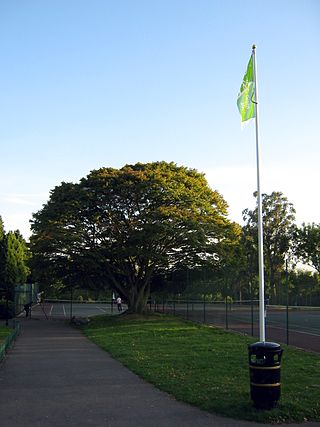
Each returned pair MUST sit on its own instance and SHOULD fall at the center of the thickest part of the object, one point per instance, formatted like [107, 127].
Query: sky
[105, 83]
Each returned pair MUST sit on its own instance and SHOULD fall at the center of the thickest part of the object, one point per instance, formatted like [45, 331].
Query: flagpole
[260, 221]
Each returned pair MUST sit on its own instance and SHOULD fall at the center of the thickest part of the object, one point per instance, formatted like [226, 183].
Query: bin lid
[266, 346]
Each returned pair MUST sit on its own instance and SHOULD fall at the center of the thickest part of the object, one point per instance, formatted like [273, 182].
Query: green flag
[245, 99]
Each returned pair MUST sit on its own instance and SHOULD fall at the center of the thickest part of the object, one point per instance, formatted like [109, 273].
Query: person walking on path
[27, 308]
[40, 297]
[119, 304]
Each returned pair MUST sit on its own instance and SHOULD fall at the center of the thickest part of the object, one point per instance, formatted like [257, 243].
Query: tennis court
[298, 326]
[66, 309]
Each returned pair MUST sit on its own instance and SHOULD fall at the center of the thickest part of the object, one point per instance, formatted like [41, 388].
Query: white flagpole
[260, 222]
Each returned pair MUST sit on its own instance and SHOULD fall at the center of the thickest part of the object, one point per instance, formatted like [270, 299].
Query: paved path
[55, 377]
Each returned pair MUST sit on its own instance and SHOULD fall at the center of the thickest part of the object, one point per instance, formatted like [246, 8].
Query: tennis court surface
[65, 309]
[297, 326]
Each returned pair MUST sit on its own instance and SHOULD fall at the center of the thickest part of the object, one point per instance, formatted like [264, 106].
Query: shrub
[3, 310]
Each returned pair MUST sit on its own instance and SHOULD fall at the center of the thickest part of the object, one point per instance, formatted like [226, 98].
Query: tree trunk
[137, 298]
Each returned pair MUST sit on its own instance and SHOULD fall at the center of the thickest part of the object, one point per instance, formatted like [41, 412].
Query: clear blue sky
[86, 84]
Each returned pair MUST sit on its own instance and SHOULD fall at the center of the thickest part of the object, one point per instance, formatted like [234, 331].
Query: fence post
[251, 316]
[112, 300]
[15, 301]
[204, 308]
[71, 294]
[266, 303]
[227, 323]
[287, 310]
[7, 307]
[187, 308]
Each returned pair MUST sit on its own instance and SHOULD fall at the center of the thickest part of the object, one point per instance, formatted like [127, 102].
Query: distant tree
[2, 254]
[308, 245]
[249, 244]
[278, 233]
[126, 226]
[2, 233]
[304, 288]
[14, 255]
[16, 258]
[235, 272]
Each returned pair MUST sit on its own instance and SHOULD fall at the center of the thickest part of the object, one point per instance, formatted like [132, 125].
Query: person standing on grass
[119, 304]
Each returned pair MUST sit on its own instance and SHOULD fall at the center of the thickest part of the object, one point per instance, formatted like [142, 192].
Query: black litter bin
[265, 367]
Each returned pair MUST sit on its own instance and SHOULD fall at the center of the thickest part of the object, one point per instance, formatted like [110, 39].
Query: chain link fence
[295, 325]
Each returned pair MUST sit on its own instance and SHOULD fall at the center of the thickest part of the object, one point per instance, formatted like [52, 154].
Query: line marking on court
[293, 330]
[101, 309]
[247, 322]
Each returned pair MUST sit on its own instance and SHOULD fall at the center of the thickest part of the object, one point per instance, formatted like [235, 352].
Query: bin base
[265, 398]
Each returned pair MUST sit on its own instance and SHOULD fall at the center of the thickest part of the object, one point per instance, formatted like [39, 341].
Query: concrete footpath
[55, 377]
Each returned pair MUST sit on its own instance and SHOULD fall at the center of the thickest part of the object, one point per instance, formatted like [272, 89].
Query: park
[157, 236]
[159, 213]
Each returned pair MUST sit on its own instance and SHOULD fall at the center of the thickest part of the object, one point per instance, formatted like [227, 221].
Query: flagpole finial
[254, 46]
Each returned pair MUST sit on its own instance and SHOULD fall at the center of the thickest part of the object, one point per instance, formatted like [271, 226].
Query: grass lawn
[206, 366]
[4, 332]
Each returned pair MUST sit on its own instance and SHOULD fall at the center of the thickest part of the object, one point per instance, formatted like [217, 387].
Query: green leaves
[123, 225]
[308, 244]
[278, 229]
[14, 256]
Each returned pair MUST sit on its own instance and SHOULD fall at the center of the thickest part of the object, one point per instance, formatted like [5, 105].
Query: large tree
[278, 216]
[122, 227]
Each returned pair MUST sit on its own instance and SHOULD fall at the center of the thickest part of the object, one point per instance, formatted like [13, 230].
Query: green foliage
[5, 331]
[16, 270]
[278, 217]
[308, 244]
[2, 252]
[304, 288]
[120, 228]
[4, 313]
[14, 255]
[207, 366]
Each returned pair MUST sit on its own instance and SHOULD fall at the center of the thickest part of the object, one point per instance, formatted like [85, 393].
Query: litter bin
[265, 367]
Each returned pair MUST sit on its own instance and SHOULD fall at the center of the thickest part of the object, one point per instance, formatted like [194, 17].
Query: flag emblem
[245, 101]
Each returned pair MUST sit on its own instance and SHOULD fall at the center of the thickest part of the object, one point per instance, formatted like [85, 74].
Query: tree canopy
[2, 253]
[308, 244]
[120, 227]
[278, 233]
[14, 256]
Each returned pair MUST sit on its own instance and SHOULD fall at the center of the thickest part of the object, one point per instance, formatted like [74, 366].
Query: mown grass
[206, 366]
[4, 332]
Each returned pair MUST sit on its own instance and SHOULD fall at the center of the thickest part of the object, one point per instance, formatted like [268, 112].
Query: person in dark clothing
[27, 308]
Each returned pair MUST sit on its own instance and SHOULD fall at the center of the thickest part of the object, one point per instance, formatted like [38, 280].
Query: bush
[3, 310]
